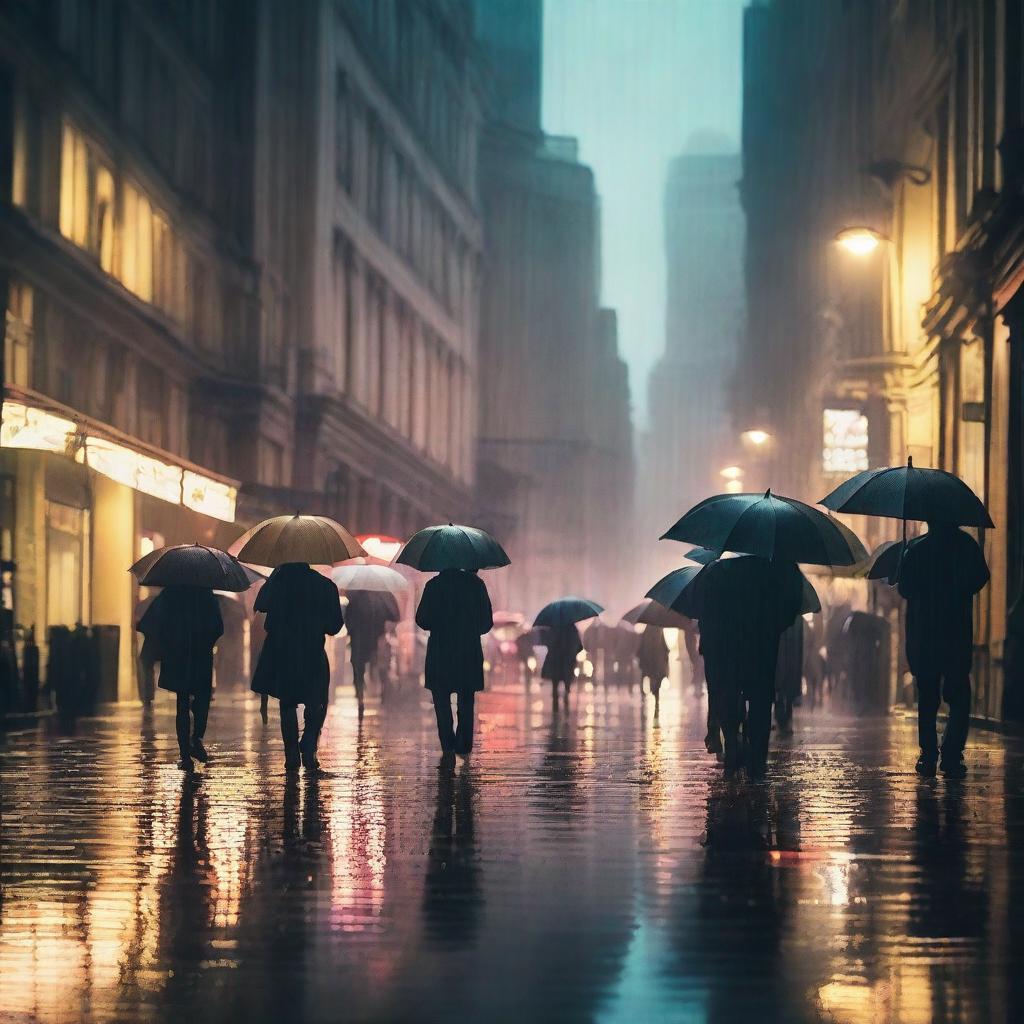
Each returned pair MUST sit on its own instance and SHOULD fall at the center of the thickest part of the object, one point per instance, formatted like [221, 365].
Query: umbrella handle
[903, 551]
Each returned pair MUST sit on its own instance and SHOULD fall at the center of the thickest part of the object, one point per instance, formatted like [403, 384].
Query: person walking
[563, 643]
[653, 658]
[456, 611]
[940, 574]
[789, 675]
[365, 626]
[302, 608]
[180, 627]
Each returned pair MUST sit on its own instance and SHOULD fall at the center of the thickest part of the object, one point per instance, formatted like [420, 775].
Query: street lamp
[859, 240]
[758, 438]
[731, 473]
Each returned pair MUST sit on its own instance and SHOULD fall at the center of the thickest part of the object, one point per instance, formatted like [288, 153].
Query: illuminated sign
[211, 497]
[24, 427]
[846, 441]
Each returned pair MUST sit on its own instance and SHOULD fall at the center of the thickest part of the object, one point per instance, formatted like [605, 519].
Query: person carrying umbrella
[653, 658]
[562, 638]
[456, 611]
[301, 609]
[366, 617]
[938, 575]
[181, 625]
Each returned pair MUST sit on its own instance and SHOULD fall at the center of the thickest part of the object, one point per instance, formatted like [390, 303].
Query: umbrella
[382, 604]
[566, 611]
[770, 526]
[677, 591]
[193, 565]
[452, 547]
[907, 492]
[378, 579]
[885, 564]
[654, 613]
[315, 540]
[702, 556]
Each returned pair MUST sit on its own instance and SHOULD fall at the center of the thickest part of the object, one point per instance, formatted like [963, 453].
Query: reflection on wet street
[589, 863]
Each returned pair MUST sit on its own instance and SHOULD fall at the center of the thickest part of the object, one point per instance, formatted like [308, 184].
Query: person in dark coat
[563, 644]
[653, 657]
[302, 609]
[940, 574]
[365, 623]
[744, 605]
[789, 675]
[456, 611]
[181, 627]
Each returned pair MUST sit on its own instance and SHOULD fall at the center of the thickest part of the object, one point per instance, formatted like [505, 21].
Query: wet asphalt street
[586, 864]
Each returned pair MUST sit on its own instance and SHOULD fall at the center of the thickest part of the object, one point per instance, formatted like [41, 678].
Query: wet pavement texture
[588, 863]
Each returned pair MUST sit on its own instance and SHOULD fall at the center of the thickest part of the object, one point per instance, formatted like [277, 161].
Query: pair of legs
[784, 702]
[931, 690]
[454, 739]
[192, 713]
[304, 749]
[746, 723]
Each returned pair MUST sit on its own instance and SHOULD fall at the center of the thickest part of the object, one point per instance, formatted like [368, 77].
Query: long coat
[181, 626]
[456, 611]
[302, 609]
[563, 643]
[744, 605]
[364, 618]
[653, 656]
[941, 573]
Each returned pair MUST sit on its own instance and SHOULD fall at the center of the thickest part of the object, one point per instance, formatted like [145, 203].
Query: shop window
[66, 564]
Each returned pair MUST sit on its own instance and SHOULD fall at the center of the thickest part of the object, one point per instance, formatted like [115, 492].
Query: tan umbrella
[313, 539]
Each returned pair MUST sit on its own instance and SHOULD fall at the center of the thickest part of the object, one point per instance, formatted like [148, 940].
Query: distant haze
[639, 81]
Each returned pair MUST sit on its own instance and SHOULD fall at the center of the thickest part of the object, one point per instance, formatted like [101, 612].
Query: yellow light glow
[758, 438]
[384, 548]
[24, 427]
[210, 497]
[731, 473]
[860, 241]
[734, 487]
[132, 468]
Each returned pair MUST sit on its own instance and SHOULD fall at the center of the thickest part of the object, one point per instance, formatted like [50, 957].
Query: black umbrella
[452, 547]
[193, 565]
[702, 556]
[768, 525]
[566, 611]
[886, 559]
[678, 591]
[383, 605]
[654, 613]
[907, 492]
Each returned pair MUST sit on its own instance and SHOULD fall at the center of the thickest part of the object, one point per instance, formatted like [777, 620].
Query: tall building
[239, 256]
[905, 121]
[554, 426]
[691, 436]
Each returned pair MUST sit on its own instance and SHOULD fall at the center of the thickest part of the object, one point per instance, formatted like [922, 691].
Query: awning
[33, 421]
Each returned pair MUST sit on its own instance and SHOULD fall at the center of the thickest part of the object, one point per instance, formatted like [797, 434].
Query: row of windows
[114, 220]
[405, 213]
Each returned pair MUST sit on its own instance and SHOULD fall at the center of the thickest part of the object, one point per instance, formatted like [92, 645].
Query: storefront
[81, 502]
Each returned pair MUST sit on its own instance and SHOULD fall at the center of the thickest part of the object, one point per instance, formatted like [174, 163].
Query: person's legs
[784, 713]
[182, 727]
[313, 718]
[759, 727]
[713, 738]
[957, 692]
[359, 675]
[464, 732]
[730, 711]
[290, 735]
[928, 697]
[445, 726]
[264, 702]
[200, 716]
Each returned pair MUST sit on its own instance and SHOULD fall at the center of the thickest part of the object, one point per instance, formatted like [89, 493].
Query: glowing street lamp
[758, 438]
[731, 473]
[859, 240]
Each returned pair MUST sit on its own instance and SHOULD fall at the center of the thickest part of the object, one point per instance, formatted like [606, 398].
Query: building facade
[239, 255]
[903, 120]
[690, 438]
[555, 439]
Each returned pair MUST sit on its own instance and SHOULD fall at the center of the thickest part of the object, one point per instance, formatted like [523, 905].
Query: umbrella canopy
[193, 565]
[885, 563]
[378, 579]
[677, 592]
[452, 547]
[315, 540]
[906, 492]
[702, 556]
[653, 613]
[768, 525]
[566, 611]
[380, 604]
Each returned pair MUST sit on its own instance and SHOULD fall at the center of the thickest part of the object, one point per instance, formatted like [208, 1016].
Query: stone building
[555, 441]
[903, 120]
[690, 436]
[239, 256]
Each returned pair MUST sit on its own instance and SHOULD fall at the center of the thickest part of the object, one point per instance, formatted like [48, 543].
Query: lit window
[846, 441]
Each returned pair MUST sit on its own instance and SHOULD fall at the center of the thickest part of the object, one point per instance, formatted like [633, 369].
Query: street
[586, 864]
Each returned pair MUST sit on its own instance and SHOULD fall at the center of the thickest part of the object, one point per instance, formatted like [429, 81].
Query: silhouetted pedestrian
[302, 609]
[563, 644]
[180, 627]
[653, 658]
[744, 604]
[940, 574]
[789, 675]
[456, 611]
[365, 626]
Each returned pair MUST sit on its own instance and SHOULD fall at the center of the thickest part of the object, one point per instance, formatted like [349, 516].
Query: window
[86, 197]
[846, 441]
[137, 244]
[66, 552]
[152, 403]
[342, 132]
[18, 351]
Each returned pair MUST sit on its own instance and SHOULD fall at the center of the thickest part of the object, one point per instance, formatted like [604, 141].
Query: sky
[634, 81]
